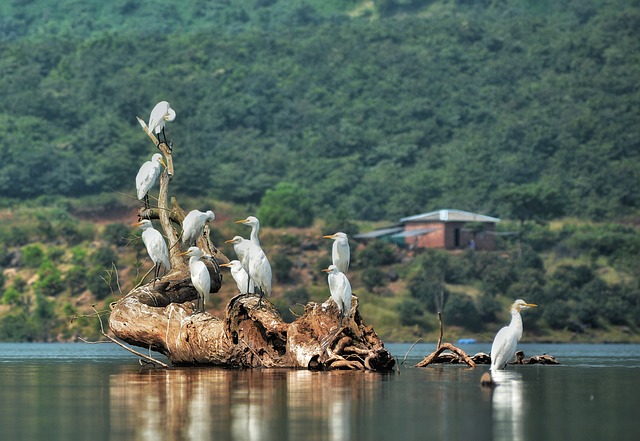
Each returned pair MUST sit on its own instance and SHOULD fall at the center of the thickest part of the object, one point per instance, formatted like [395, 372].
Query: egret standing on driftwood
[193, 225]
[156, 247]
[245, 286]
[504, 344]
[200, 277]
[340, 253]
[255, 263]
[161, 113]
[148, 176]
[340, 289]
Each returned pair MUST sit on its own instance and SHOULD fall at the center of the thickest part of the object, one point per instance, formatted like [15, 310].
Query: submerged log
[249, 335]
[455, 356]
[458, 356]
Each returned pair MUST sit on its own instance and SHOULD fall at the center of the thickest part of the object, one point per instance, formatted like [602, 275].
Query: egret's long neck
[516, 324]
[254, 234]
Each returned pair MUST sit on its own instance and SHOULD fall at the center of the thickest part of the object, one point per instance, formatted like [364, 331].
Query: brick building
[444, 229]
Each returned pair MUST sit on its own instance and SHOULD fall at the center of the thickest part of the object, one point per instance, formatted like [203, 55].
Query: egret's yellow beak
[331, 236]
[241, 221]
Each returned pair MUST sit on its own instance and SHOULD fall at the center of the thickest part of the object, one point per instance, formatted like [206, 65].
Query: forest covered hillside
[327, 115]
[381, 109]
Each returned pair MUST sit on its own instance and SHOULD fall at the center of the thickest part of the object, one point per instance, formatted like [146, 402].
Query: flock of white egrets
[251, 271]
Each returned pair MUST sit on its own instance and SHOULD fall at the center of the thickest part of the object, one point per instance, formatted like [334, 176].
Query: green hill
[360, 111]
[428, 104]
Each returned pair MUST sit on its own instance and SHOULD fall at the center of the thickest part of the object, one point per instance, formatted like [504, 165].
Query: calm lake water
[99, 392]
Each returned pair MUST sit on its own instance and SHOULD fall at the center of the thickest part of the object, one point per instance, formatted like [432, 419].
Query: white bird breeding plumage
[156, 246]
[255, 263]
[504, 344]
[193, 225]
[148, 176]
[245, 286]
[161, 113]
[200, 277]
[340, 253]
[340, 289]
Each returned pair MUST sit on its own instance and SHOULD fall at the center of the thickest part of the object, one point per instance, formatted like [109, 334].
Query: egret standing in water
[340, 289]
[148, 176]
[193, 225]
[200, 277]
[241, 277]
[161, 113]
[254, 223]
[340, 253]
[504, 344]
[156, 247]
[255, 263]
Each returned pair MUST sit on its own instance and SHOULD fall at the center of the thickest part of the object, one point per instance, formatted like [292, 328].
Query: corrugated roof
[378, 233]
[416, 232]
[447, 215]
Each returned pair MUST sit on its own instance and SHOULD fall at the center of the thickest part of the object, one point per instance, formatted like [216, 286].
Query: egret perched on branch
[193, 225]
[255, 263]
[254, 223]
[161, 113]
[241, 277]
[156, 247]
[200, 277]
[340, 251]
[148, 176]
[340, 290]
[504, 344]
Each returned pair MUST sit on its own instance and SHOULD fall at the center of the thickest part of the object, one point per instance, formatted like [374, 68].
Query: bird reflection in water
[507, 405]
[208, 403]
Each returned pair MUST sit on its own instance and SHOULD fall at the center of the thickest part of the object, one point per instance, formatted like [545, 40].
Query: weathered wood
[161, 316]
[459, 357]
[249, 336]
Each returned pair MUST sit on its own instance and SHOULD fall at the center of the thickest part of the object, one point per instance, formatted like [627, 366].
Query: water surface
[81, 392]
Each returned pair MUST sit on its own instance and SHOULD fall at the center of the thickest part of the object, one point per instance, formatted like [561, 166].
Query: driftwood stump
[248, 336]
[162, 316]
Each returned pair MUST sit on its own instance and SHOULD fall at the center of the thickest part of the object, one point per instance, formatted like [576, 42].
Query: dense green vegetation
[382, 115]
[331, 113]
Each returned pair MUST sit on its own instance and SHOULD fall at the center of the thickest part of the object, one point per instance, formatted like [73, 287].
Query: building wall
[450, 236]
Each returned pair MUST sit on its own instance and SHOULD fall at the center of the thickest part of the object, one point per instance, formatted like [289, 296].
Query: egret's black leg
[155, 274]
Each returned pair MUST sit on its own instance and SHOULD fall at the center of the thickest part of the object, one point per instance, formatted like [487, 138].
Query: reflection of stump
[248, 336]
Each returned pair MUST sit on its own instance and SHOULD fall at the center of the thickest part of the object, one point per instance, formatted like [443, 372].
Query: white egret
[255, 263]
[156, 247]
[193, 225]
[504, 344]
[340, 253]
[241, 277]
[340, 289]
[254, 223]
[161, 113]
[200, 277]
[148, 176]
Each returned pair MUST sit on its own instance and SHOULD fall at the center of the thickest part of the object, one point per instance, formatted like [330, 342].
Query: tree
[287, 205]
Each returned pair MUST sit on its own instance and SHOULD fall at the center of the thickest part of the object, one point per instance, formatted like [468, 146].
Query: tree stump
[249, 336]
[161, 316]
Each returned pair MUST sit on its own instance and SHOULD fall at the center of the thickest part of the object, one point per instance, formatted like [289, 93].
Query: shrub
[32, 255]
[286, 205]
[460, 310]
